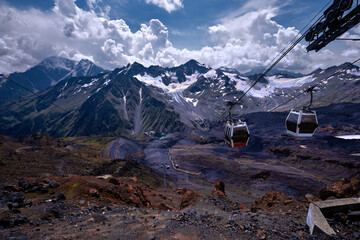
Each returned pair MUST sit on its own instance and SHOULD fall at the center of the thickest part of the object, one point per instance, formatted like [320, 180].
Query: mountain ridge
[45, 74]
[134, 99]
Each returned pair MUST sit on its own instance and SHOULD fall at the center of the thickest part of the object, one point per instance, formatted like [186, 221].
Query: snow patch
[149, 80]
[278, 81]
[107, 82]
[53, 82]
[90, 84]
[211, 74]
[172, 87]
[232, 76]
[259, 91]
[348, 137]
[353, 72]
[193, 101]
[85, 66]
[177, 97]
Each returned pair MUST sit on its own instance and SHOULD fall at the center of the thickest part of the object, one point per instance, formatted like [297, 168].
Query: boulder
[273, 200]
[53, 184]
[165, 207]
[345, 188]
[50, 211]
[60, 197]
[311, 198]
[188, 198]
[94, 193]
[219, 190]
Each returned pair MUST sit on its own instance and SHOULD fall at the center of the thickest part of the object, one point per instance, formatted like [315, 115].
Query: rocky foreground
[66, 189]
[106, 207]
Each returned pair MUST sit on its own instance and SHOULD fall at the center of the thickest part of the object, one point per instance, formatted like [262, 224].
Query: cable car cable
[34, 93]
[273, 65]
[13, 102]
[303, 30]
[298, 34]
[17, 93]
[270, 67]
[348, 39]
[304, 91]
[14, 90]
[318, 83]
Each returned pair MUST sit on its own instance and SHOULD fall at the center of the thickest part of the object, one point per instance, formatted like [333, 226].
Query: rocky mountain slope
[112, 102]
[135, 99]
[47, 73]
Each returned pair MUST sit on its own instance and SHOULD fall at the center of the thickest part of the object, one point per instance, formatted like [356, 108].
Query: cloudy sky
[240, 34]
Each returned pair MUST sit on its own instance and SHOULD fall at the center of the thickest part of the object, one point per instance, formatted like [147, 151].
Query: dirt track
[285, 164]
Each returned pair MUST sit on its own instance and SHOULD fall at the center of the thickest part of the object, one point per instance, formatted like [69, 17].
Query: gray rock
[99, 218]
[54, 184]
[50, 211]
[60, 197]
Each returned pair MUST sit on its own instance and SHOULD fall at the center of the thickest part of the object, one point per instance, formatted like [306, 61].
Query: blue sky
[188, 23]
[234, 33]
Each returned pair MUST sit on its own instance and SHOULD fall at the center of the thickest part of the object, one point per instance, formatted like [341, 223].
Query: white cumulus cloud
[243, 40]
[26, 37]
[251, 38]
[168, 5]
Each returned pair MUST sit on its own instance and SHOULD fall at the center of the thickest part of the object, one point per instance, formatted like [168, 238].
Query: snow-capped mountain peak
[135, 98]
[47, 73]
[84, 68]
[56, 62]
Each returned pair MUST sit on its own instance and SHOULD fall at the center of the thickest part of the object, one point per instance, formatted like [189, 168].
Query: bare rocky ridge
[134, 99]
[47, 73]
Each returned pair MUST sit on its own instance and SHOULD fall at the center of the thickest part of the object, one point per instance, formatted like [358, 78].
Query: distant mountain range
[274, 71]
[47, 73]
[86, 100]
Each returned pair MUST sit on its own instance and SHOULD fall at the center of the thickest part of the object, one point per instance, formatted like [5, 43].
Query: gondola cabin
[301, 123]
[237, 134]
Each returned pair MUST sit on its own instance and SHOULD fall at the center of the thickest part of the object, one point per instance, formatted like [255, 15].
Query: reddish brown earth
[344, 188]
[118, 208]
[77, 207]
[66, 189]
